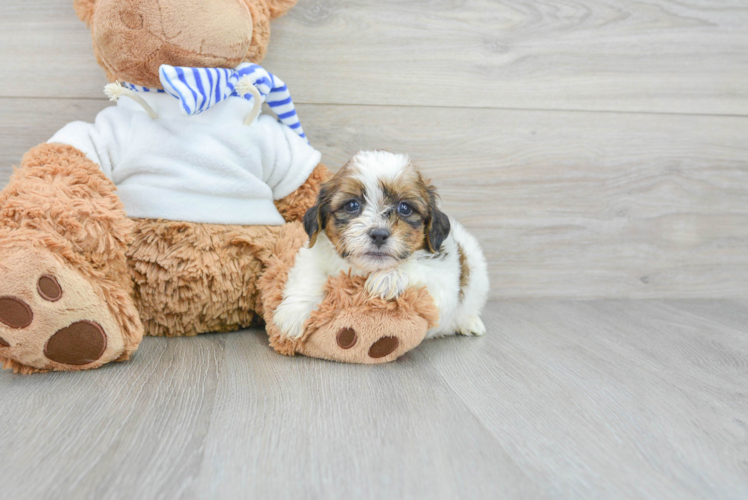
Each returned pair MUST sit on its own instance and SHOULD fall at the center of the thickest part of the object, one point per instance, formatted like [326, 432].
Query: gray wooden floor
[606, 399]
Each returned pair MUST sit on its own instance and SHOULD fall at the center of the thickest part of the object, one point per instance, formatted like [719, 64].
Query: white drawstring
[115, 90]
[246, 86]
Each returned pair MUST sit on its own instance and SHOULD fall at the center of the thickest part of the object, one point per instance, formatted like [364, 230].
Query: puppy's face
[377, 210]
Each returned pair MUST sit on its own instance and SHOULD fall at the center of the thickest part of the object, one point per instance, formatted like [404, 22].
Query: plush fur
[194, 278]
[132, 38]
[61, 221]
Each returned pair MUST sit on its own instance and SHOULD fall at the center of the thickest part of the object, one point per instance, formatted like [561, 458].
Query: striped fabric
[138, 88]
[200, 88]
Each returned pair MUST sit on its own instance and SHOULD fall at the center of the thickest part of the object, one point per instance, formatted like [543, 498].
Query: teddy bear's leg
[195, 278]
[65, 300]
[349, 325]
[294, 206]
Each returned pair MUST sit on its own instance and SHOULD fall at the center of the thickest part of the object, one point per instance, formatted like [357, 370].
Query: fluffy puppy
[377, 217]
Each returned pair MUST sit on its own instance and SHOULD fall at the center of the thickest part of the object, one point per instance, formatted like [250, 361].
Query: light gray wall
[597, 149]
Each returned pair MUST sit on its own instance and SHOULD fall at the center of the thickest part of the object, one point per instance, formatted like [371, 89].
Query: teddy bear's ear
[85, 10]
[279, 7]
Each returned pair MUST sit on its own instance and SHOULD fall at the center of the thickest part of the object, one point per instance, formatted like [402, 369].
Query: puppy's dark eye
[352, 206]
[404, 209]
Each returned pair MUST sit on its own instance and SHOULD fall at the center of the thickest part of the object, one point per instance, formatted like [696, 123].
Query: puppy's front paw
[473, 326]
[387, 284]
[290, 318]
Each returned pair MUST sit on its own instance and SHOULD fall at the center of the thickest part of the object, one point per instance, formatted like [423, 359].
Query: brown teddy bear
[159, 222]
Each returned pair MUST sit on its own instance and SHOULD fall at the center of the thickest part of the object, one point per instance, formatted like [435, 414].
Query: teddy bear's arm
[294, 206]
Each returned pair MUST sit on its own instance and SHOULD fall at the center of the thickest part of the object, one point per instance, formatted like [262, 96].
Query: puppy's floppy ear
[85, 10]
[316, 217]
[437, 225]
[312, 224]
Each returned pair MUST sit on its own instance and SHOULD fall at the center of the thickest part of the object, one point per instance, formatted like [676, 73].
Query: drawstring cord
[114, 91]
[246, 86]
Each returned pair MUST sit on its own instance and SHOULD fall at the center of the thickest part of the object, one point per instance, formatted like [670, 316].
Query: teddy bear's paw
[366, 336]
[52, 317]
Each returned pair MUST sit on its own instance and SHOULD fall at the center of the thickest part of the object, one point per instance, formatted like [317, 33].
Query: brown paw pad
[383, 347]
[81, 343]
[346, 338]
[15, 313]
[49, 288]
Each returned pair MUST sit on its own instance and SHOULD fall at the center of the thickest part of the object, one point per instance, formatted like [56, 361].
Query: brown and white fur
[377, 217]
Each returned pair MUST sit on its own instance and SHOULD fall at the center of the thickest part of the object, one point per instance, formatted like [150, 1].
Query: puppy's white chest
[439, 273]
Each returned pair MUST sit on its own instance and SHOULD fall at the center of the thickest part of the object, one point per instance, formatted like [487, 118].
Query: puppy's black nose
[379, 236]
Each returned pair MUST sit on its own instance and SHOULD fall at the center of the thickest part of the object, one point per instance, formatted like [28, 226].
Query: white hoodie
[203, 168]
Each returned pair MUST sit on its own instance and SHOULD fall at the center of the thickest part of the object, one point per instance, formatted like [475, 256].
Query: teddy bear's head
[133, 38]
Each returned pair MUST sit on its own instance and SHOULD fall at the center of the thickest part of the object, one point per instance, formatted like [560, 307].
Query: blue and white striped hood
[200, 88]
